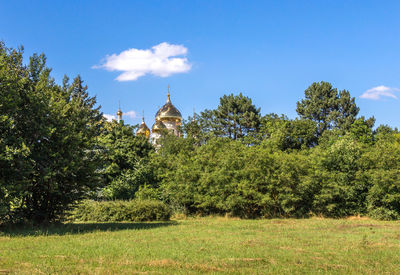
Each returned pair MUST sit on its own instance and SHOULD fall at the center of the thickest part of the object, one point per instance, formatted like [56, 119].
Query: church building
[167, 119]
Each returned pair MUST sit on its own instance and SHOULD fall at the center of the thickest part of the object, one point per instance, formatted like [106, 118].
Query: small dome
[168, 111]
[119, 113]
[143, 130]
[158, 126]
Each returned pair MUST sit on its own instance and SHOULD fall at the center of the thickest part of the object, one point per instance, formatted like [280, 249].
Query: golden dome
[158, 126]
[143, 130]
[168, 111]
[119, 113]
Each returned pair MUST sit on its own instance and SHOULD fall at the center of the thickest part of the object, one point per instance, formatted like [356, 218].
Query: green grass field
[206, 245]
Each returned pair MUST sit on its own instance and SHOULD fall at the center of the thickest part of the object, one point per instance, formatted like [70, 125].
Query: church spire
[168, 95]
[143, 129]
[119, 113]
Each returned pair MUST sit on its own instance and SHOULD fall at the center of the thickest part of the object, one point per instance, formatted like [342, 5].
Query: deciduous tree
[47, 140]
[124, 161]
[329, 108]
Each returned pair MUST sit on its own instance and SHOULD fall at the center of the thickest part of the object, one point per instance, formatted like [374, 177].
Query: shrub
[113, 211]
[383, 198]
[384, 214]
[147, 192]
[340, 178]
[228, 177]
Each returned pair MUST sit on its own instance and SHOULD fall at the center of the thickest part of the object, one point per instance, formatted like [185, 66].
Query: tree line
[57, 149]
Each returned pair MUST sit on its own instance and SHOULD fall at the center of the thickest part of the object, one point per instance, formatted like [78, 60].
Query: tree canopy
[47, 139]
[124, 161]
[329, 108]
[235, 117]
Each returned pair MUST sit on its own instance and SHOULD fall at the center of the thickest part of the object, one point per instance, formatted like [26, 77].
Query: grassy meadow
[205, 245]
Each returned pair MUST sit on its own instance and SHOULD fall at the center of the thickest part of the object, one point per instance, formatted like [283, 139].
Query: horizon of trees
[56, 149]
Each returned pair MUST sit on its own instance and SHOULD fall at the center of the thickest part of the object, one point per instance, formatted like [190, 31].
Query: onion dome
[143, 130]
[119, 113]
[168, 111]
[158, 126]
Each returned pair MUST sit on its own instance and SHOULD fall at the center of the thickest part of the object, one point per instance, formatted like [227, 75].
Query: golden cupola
[143, 130]
[119, 113]
[168, 120]
[158, 126]
[169, 112]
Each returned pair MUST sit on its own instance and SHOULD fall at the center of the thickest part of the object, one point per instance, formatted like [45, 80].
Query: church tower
[143, 129]
[119, 113]
[168, 118]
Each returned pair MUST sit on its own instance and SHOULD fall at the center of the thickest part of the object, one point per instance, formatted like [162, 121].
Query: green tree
[192, 130]
[235, 117]
[329, 108]
[125, 161]
[283, 133]
[47, 140]
[226, 176]
[13, 150]
[361, 130]
[384, 196]
[341, 184]
[385, 132]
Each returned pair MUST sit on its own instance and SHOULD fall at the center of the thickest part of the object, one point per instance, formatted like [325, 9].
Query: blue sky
[270, 51]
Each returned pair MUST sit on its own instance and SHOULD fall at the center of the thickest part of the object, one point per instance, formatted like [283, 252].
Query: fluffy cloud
[109, 117]
[130, 114]
[161, 60]
[378, 92]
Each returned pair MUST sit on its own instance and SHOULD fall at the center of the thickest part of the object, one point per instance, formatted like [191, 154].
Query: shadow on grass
[79, 228]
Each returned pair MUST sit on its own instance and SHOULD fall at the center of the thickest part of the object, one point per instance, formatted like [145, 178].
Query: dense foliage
[236, 117]
[333, 166]
[341, 177]
[48, 138]
[114, 211]
[124, 161]
[328, 107]
[55, 150]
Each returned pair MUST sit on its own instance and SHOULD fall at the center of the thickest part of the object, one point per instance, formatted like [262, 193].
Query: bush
[383, 197]
[228, 177]
[341, 184]
[147, 192]
[115, 211]
[383, 214]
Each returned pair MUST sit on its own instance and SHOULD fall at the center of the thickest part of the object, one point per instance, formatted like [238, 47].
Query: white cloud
[109, 117]
[130, 114]
[378, 92]
[161, 60]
